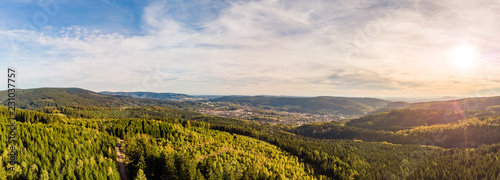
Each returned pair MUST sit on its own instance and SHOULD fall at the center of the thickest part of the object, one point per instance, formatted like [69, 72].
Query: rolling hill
[391, 106]
[152, 95]
[58, 97]
[316, 105]
[406, 118]
[466, 104]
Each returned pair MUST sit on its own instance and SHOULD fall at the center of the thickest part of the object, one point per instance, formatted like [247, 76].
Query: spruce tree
[140, 175]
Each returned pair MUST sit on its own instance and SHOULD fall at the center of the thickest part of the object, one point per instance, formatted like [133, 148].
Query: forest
[51, 150]
[172, 142]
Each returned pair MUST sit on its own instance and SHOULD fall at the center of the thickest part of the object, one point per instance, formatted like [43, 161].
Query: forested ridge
[152, 95]
[444, 128]
[465, 104]
[191, 151]
[56, 150]
[315, 105]
[406, 119]
[34, 99]
[168, 149]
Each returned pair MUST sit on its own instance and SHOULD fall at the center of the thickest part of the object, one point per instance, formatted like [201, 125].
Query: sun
[463, 56]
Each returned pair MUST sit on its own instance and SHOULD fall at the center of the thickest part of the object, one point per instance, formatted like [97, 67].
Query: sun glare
[463, 56]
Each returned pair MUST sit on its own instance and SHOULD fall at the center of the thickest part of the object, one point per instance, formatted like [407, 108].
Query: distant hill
[317, 105]
[466, 104]
[391, 106]
[406, 119]
[476, 130]
[418, 100]
[152, 95]
[58, 97]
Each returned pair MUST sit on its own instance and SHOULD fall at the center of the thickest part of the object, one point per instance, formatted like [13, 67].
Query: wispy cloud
[292, 47]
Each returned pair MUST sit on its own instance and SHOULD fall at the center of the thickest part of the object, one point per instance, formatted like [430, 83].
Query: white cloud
[274, 47]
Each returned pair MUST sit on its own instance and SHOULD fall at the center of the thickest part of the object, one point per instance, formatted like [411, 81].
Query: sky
[356, 48]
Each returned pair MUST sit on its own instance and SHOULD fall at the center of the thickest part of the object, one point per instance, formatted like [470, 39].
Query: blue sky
[123, 17]
[274, 47]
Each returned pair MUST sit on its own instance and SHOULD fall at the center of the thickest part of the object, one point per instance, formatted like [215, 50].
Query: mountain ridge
[39, 98]
[315, 105]
[154, 95]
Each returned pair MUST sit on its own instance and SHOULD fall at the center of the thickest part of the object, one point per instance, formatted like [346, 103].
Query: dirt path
[121, 162]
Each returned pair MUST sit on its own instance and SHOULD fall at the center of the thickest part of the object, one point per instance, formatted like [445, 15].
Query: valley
[267, 116]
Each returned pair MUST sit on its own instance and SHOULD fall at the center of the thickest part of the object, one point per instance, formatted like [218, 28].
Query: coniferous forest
[81, 142]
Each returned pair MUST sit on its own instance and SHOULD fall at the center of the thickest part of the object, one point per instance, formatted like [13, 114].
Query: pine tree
[44, 175]
[140, 175]
[199, 175]
[169, 168]
[3, 172]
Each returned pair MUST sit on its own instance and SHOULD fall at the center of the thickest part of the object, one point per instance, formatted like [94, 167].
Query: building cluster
[269, 116]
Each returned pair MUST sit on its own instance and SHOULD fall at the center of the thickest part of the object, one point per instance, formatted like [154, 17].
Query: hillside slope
[391, 106]
[466, 104]
[406, 118]
[181, 151]
[59, 97]
[56, 151]
[152, 95]
[316, 105]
